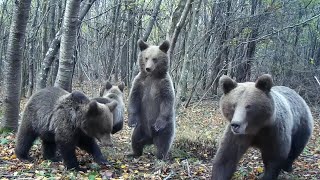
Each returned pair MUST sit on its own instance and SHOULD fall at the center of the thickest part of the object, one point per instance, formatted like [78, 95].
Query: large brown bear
[111, 93]
[276, 120]
[151, 101]
[64, 120]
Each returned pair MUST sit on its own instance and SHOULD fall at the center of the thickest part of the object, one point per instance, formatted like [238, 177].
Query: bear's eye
[248, 107]
[233, 106]
[155, 60]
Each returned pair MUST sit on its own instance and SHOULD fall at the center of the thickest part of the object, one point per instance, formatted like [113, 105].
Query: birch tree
[12, 69]
[68, 39]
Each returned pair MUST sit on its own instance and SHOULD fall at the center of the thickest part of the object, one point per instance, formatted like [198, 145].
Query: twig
[317, 80]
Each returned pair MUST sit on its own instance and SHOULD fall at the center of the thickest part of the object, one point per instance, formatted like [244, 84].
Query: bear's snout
[149, 66]
[235, 127]
[238, 127]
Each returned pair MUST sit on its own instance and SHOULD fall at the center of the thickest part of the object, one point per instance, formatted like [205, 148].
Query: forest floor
[198, 129]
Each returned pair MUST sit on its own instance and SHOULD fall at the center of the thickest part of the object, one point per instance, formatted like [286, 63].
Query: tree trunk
[113, 54]
[2, 31]
[12, 80]
[45, 29]
[182, 85]
[179, 27]
[152, 20]
[243, 72]
[32, 53]
[54, 48]
[68, 40]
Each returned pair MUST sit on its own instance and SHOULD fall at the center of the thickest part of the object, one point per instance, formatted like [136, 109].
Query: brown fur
[151, 101]
[111, 93]
[276, 120]
[64, 120]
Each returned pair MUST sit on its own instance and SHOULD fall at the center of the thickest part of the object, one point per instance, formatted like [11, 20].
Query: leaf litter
[198, 131]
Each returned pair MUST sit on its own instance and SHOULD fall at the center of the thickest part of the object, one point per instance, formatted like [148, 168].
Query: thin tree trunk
[32, 54]
[2, 31]
[152, 20]
[244, 69]
[68, 39]
[12, 80]
[54, 48]
[182, 85]
[113, 54]
[179, 27]
[45, 29]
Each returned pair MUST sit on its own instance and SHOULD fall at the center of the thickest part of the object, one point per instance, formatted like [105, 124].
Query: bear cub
[64, 120]
[151, 101]
[274, 119]
[109, 93]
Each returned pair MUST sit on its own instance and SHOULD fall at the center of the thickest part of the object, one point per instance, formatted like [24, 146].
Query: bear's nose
[148, 69]
[235, 126]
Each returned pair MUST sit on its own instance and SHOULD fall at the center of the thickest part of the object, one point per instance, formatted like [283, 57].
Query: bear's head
[153, 60]
[112, 90]
[247, 106]
[98, 121]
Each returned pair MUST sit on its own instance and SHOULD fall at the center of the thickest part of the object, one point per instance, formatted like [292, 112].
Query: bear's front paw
[159, 125]
[133, 120]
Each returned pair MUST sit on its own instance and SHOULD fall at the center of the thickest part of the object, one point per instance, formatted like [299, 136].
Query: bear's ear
[142, 45]
[93, 108]
[227, 84]
[164, 47]
[264, 83]
[112, 105]
[108, 85]
[121, 86]
[79, 97]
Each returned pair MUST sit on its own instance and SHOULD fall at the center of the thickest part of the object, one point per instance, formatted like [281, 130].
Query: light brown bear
[64, 120]
[151, 101]
[276, 120]
[111, 93]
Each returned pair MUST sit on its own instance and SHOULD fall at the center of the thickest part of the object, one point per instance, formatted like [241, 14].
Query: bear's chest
[151, 91]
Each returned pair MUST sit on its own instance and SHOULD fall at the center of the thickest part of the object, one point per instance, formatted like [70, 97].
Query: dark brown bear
[64, 120]
[275, 119]
[151, 101]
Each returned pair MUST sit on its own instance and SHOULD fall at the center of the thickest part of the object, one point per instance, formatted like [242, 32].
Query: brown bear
[111, 93]
[151, 101]
[64, 120]
[274, 119]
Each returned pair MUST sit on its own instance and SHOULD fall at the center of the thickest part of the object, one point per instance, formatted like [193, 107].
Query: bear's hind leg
[25, 138]
[49, 151]
[163, 143]
[89, 144]
[299, 141]
[139, 140]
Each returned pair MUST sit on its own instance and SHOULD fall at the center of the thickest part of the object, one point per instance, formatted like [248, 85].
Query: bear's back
[301, 114]
[41, 104]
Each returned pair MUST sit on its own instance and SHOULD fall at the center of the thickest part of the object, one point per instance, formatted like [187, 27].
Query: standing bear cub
[151, 101]
[64, 120]
[276, 120]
